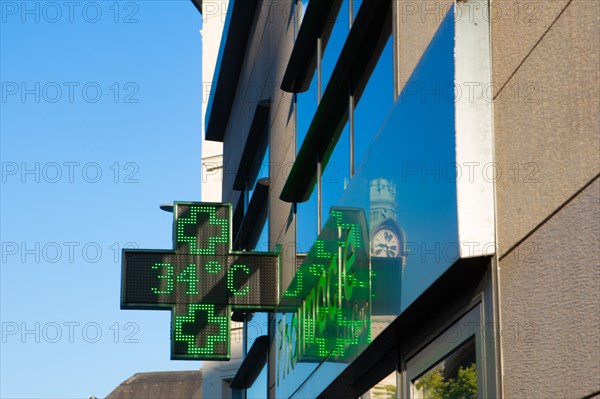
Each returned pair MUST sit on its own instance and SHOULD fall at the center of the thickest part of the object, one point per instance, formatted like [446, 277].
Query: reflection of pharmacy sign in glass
[200, 280]
[329, 298]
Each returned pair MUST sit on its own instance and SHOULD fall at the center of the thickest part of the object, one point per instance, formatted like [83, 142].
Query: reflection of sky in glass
[335, 44]
[374, 104]
[263, 241]
[256, 327]
[337, 173]
[417, 136]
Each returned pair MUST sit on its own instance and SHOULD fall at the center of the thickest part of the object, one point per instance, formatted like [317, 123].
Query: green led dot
[188, 275]
[230, 284]
[182, 238]
[213, 267]
[190, 317]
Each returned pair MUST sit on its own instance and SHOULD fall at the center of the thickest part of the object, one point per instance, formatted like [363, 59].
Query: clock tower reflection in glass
[388, 253]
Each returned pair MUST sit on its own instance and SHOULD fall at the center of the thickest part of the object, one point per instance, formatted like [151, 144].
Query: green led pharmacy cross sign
[200, 280]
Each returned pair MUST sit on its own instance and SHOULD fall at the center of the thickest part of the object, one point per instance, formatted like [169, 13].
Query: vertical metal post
[319, 196]
[350, 13]
[245, 336]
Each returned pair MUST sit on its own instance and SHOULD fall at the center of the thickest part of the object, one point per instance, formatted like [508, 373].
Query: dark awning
[252, 365]
[318, 21]
[236, 33]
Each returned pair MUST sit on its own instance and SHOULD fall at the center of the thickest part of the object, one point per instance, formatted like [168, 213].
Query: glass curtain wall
[408, 216]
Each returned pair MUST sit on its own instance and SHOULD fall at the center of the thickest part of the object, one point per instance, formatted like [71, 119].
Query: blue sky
[100, 123]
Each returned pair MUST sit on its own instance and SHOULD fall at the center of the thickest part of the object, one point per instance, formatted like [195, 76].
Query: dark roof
[160, 385]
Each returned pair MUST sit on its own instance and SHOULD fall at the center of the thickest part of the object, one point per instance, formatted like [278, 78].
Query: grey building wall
[417, 23]
[546, 126]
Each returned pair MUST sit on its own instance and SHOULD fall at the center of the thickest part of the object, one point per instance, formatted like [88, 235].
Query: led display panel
[200, 280]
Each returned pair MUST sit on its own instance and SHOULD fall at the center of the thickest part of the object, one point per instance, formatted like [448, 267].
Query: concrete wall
[213, 21]
[546, 125]
[417, 23]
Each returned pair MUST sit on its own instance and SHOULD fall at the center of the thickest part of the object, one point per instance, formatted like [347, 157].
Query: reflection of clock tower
[387, 237]
[388, 248]
[383, 201]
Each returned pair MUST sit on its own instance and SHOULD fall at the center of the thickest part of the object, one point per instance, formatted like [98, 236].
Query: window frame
[435, 351]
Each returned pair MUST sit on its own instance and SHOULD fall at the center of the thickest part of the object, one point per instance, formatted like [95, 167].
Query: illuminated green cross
[200, 280]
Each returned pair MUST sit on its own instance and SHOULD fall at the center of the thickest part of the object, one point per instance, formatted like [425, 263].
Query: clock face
[385, 244]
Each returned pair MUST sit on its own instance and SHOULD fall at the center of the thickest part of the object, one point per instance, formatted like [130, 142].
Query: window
[453, 377]
[331, 52]
[451, 366]
[385, 389]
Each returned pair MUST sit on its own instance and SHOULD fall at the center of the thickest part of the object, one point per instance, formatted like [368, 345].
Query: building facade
[428, 171]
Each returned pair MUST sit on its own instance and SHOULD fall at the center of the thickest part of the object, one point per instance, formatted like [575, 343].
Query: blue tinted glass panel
[336, 174]
[407, 181]
[306, 212]
[355, 7]
[405, 187]
[259, 325]
[306, 106]
[335, 44]
[306, 223]
[260, 388]
[375, 103]
[262, 168]
[263, 242]
[289, 374]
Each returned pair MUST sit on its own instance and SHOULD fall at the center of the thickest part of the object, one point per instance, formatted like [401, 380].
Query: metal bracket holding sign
[200, 281]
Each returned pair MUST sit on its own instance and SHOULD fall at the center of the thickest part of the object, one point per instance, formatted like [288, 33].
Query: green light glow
[188, 275]
[168, 276]
[193, 346]
[213, 267]
[230, 284]
[192, 240]
[200, 280]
